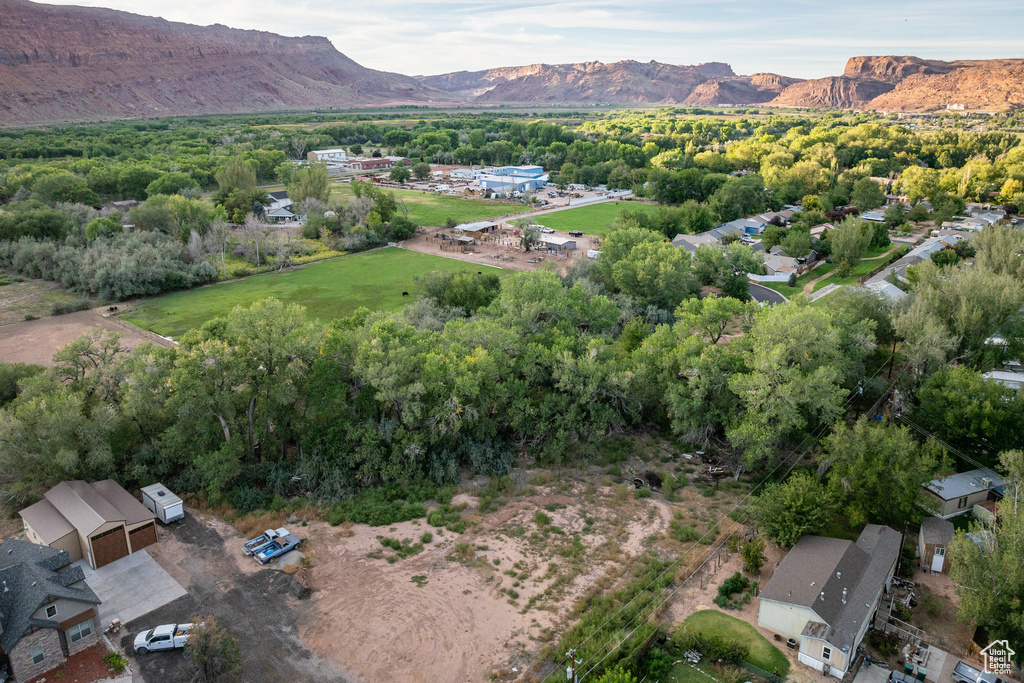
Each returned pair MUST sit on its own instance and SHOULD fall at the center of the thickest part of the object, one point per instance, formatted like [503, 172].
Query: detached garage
[100, 522]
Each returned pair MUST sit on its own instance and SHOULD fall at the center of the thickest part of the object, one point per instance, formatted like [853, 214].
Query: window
[962, 503]
[37, 653]
[826, 653]
[51, 611]
[79, 631]
[940, 551]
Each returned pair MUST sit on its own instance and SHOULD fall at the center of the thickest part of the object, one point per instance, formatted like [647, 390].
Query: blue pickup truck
[277, 547]
[255, 544]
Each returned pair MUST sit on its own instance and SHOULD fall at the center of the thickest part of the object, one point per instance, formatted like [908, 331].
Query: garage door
[109, 546]
[143, 536]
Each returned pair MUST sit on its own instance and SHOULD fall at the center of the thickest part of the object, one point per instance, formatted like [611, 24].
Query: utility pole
[570, 671]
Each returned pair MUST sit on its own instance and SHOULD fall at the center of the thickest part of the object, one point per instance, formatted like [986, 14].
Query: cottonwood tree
[986, 569]
[875, 471]
[712, 315]
[310, 182]
[236, 174]
[799, 506]
[216, 241]
[254, 233]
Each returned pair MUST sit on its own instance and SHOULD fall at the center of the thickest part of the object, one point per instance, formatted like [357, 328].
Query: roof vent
[161, 493]
[823, 595]
[839, 575]
[986, 483]
[844, 596]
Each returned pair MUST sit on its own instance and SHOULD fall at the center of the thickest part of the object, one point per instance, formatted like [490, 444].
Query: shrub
[448, 517]
[541, 519]
[642, 493]
[737, 583]
[753, 555]
[115, 661]
[387, 504]
[931, 606]
[426, 537]
[65, 307]
[711, 645]
[248, 499]
[684, 533]
[887, 644]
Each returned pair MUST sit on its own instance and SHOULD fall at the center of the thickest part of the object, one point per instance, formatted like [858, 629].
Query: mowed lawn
[761, 653]
[433, 210]
[328, 289]
[595, 219]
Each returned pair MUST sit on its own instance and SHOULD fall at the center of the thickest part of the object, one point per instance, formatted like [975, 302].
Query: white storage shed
[164, 504]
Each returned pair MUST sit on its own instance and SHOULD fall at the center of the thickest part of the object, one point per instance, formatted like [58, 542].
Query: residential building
[886, 289]
[932, 543]
[777, 264]
[713, 236]
[47, 611]
[374, 164]
[555, 243]
[99, 522]
[278, 200]
[958, 493]
[825, 592]
[327, 155]
[281, 215]
[1008, 378]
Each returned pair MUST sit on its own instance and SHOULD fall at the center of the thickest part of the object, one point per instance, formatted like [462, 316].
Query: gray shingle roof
[31, 579]
[936, 531]
[83, 506]
[817, 570]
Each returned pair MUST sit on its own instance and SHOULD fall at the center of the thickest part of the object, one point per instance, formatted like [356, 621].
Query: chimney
[844, 596]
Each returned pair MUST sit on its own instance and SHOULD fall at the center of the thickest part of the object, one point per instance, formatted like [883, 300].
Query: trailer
[162, 503]
[276, 548]
[965, 673]
[255, 544]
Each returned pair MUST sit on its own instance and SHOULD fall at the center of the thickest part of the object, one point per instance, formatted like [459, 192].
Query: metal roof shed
[164, 504]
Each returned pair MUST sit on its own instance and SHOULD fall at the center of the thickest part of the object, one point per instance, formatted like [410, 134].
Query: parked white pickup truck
[166, 637]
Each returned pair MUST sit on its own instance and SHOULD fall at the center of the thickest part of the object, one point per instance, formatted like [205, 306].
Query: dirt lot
[35, 341]
[34, 298]
[205, 557]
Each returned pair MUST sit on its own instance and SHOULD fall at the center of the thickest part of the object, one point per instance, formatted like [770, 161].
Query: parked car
[165, 637]
[965, 673]
[900, 677]
[546, 230]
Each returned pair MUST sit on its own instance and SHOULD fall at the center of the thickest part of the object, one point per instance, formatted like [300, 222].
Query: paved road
[763, 294]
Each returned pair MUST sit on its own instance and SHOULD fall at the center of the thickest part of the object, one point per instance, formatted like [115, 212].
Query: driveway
[130, 587]
[260, 607]
[869, 673]
[765, 295]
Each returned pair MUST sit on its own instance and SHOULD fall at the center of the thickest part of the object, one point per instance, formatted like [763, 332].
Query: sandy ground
[35, 341]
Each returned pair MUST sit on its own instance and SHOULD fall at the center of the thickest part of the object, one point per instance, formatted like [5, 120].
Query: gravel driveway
[258, 607]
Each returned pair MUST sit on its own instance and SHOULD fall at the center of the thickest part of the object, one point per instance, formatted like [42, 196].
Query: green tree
[867, 194]
[773, 236]
[310, 182]
[752, 552]
[849, 241]
[712, 315]
[102, 227]
[616, 675]
[987, 571]
[799, 506]
[133, 180]
[895, 216]
[875, 472]
[171, 183]
[727, 269]
[400, 173]
[236, 174]
[797, 244]
[212, 651]
[65, 187]
[421, 170]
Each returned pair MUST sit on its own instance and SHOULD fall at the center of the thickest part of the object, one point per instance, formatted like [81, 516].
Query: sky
[801, 38]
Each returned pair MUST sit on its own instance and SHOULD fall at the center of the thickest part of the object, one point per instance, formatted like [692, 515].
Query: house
[327, 155]
[886, 289]
[1009, 379]
[932, 542]
[100, 522]
[555, 243]
[713, 236]
[874, 216]
[278, 200]
[47, 611]
[281, 215]
[825, 592]
[776, 264]
[958, 493]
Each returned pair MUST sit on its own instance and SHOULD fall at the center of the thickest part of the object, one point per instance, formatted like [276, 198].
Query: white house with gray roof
[957, 494]
[825, 592]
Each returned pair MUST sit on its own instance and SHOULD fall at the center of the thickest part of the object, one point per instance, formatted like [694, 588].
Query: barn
[100, 522]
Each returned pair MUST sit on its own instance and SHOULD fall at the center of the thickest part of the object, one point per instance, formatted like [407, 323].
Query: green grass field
[595, 219]
[329, 289]
[433, 210]
[762, 653]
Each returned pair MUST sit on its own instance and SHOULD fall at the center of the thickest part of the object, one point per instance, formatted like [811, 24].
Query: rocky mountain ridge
[64, 64]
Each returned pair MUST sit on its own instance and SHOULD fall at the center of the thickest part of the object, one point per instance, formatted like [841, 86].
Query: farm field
[595, 219]
[434, 210]
[328, 289]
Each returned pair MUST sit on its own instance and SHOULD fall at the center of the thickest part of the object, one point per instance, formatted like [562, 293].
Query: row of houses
[338, 161]
[884, 282]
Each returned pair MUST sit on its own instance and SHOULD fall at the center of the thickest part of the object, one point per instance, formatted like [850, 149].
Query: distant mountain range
[62, 64]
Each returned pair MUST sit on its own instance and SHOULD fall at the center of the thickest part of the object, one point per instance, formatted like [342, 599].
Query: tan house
[47, 611]
[957, 494]
[932, 544]
[825, 592]
[100, 522]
